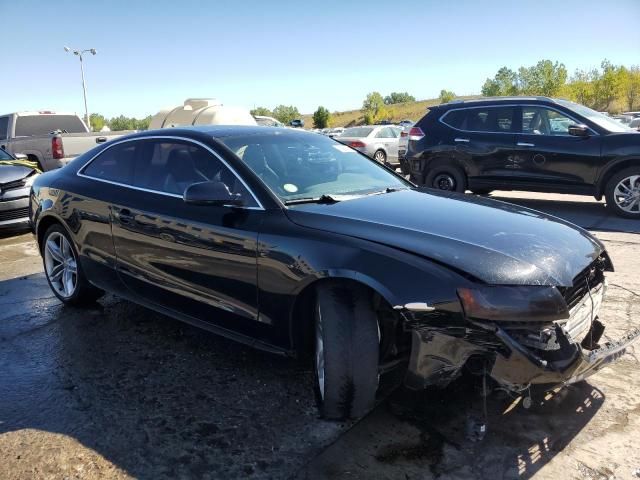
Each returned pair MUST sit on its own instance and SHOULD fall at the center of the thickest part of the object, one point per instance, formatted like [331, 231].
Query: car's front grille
[589, 278]
[14, 214]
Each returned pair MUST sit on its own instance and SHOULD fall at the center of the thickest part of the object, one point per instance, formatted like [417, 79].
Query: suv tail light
[56, 148]
[356, 144]
[416, 133]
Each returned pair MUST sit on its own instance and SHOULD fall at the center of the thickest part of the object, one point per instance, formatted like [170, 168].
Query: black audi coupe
[299, 245]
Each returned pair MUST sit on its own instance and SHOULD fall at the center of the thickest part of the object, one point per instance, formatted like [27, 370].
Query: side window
[171, 166]
[4, 127]
[115, 164]
[544, 121]
[503, 119]
[494, 119]
[385, 132]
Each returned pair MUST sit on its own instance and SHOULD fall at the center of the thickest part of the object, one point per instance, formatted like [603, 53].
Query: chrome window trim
[519, 105]
[113, 143]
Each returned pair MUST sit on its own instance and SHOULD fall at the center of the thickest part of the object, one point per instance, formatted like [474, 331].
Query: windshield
[359, 132]
[304, 165]
[598, 118]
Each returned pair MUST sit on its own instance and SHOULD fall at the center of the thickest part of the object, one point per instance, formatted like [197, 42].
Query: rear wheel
[346, 351]
[380, 156]
[63, 271]
[447, 178]
[623, 193]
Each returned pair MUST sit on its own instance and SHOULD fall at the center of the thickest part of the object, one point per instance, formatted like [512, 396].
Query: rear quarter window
[114, 164]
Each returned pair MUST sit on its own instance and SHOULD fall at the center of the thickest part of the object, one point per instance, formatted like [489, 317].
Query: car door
[484, 141]
[199, 260]
[546, 153]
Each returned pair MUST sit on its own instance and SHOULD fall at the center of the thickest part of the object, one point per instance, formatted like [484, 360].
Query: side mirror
[211, 193]
[579, 130]
[20, 156]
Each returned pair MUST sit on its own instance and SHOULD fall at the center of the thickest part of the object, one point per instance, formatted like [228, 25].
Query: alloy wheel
[380, 156]
[60, 265]
[627, 194]
[444, 181]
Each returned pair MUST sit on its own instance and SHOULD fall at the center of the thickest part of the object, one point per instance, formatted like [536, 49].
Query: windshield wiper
[386, 190]
[321, 199]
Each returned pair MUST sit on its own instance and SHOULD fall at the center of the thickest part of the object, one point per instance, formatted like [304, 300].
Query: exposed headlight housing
[513, 304]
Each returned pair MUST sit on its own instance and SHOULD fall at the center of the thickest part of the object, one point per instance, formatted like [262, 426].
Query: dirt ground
[120, 392]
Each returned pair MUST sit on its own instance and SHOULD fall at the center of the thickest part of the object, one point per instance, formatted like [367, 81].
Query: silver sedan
[379, 142]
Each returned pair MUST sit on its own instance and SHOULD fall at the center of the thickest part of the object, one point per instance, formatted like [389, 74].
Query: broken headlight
[513, 304]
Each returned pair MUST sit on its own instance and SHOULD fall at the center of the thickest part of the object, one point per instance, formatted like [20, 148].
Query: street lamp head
[93, 51]
[67, 49]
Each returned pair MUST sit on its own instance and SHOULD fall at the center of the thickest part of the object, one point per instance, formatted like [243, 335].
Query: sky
[155, 54]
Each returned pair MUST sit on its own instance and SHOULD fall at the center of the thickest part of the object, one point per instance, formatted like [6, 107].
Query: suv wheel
[446, 178]
[346, 351]
[623, 193]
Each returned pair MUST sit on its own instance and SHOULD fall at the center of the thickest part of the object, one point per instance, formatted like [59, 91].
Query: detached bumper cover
[437, 357]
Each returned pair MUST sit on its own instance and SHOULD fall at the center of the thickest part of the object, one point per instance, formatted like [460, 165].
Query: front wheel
[63, 270]
[346, 351]
[623, 193]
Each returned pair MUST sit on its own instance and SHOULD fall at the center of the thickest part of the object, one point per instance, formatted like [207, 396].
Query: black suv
[526, 143]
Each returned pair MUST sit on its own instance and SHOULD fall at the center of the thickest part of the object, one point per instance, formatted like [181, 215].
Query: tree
[446, 96]
[97, 122]
[580, 87]
[143, 124]
[373, 108]
[321, 118]
[503, 84]
[607, 86]
[261, 111]
[285, 113]
[129, 123]
[631, 85]
[398, 97]
[544, 78]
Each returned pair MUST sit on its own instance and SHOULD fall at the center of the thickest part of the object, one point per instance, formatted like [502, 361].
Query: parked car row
[518, 143]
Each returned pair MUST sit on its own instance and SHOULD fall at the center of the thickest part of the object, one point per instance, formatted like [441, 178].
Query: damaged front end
[519, 336]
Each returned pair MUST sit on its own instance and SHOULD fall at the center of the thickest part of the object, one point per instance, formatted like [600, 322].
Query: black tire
[447, 176]
[350, 350]
[84, 293]
[380, 156]
[610, 193]
[482, 191]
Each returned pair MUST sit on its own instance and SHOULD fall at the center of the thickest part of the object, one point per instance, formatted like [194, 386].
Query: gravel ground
[121, 392]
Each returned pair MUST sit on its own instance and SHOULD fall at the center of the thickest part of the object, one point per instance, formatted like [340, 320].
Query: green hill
[397, 112]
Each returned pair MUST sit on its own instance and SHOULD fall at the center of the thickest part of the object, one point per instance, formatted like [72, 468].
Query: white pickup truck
[49, 138]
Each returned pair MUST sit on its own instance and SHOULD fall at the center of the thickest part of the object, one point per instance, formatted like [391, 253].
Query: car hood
[495, 242]
[11, 173]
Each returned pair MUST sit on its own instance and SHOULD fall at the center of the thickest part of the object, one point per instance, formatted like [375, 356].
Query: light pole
[84, 88]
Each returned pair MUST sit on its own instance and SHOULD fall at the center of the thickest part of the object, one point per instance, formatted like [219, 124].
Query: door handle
[524, 144]
[465, 140]
[101, 139]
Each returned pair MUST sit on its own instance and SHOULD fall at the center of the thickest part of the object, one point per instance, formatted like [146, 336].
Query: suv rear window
[489, 119]
[27, 126]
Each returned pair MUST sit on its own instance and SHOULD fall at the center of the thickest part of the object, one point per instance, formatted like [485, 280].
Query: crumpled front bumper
[437, 357]
[514, 354]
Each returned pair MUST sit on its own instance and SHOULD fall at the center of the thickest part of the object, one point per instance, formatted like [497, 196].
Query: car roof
[220, 131]
[494, 100]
